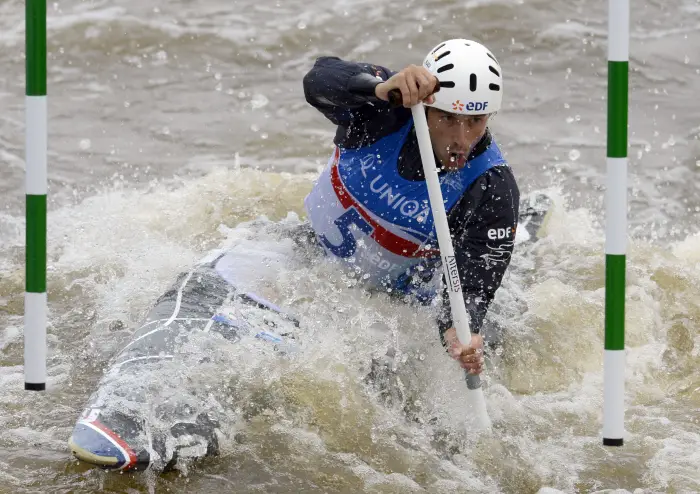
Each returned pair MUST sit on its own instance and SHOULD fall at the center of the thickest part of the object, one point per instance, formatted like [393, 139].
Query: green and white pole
[35, 155]
[616, 226]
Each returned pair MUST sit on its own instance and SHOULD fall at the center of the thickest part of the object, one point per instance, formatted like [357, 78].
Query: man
[370, 208]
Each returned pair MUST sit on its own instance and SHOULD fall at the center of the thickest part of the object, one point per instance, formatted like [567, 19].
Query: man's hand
[470, 357]
[414, 82]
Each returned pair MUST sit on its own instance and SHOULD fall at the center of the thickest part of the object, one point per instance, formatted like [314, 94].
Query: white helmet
[470, 77]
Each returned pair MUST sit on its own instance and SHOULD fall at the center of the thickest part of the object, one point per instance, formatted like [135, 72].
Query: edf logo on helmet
[471, 106]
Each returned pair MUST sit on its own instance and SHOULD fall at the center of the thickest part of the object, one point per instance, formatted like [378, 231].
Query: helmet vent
[444, 54]
[494, 87]
[445, 68]
[447, 84]
[472, 82]
[437, 48]
[491, 57]
[493, 69]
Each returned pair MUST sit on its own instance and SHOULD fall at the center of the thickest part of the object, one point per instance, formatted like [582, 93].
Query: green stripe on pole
[617, 109]
[614, 302]
[36, 243]
[36, 47]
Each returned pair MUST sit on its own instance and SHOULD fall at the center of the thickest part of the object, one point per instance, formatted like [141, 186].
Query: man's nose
[464, 137]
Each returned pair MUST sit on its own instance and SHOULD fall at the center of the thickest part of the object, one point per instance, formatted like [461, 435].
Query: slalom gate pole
[35, 157]
[616, 223]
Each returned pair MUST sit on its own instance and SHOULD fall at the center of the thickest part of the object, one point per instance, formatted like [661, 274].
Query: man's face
[453, 136]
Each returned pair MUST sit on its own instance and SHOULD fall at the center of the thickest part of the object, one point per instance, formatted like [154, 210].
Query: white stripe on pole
[614, 394]
[618, 30]
[616, 207]
[35, 337]
[36, 145]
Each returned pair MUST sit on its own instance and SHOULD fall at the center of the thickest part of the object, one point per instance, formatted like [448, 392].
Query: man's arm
[483, 226]
[345, 93]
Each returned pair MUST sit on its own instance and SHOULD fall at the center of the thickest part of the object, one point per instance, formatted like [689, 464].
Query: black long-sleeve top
[483, 221]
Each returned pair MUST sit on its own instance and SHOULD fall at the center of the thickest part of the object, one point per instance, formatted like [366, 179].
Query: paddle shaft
[449, 263]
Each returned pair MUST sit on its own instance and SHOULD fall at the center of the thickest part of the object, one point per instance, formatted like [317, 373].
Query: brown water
[171, 124]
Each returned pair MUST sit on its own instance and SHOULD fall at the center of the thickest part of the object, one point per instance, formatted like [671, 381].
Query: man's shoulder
[497, 181]
[494, 194]
[369, 124]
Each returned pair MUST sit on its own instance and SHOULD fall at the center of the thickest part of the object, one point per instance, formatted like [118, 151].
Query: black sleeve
[483, 227]
[344, 92]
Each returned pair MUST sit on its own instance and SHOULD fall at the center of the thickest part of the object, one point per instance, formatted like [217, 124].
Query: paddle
[475, 396]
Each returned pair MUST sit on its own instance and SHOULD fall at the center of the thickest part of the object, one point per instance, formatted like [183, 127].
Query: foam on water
[113, 254]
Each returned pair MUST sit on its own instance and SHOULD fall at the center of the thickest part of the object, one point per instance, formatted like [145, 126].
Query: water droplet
[263, 135]
[258, 101]
[85, 144]
[254, 128]
[569, 120]
[301, 25]
[687, 60]
[574, 154]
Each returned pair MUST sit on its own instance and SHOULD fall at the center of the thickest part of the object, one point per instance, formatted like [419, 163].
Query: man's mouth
[458, 159]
